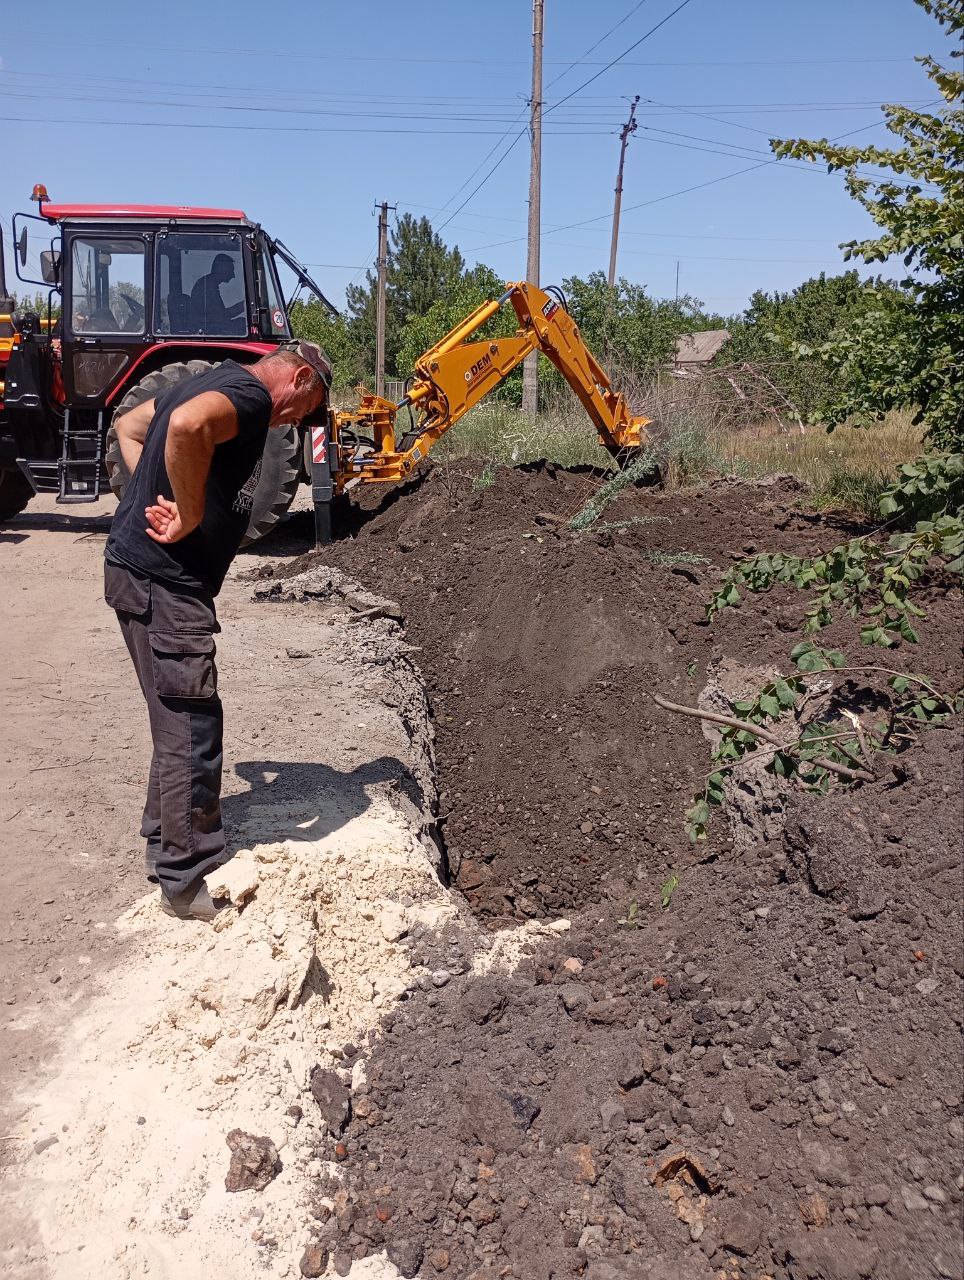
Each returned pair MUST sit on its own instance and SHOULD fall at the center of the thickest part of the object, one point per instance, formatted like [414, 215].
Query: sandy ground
[308, 745]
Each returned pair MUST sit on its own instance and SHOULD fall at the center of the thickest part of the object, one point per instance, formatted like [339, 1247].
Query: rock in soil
[254, 1162]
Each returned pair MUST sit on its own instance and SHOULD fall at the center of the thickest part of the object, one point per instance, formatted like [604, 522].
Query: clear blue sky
[304, 114]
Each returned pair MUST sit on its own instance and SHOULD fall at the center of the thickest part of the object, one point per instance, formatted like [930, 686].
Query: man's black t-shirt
[200, 560]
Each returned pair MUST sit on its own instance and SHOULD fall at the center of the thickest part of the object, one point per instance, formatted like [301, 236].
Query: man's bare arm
[131, 430]
[195, 429]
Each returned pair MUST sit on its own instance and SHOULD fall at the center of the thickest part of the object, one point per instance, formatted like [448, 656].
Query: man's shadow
[307, 801]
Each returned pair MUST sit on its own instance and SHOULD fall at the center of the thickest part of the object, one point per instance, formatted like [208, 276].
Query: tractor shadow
[53, 522]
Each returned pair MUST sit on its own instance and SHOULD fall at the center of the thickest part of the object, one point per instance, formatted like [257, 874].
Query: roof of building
[58, 212]
[700, 348]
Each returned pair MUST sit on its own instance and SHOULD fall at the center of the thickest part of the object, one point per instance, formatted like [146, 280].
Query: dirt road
[307, 746]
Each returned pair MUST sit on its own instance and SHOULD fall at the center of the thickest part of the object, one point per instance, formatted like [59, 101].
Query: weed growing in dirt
[668, 558]
[631, 919]
[640, 468]
[485, 478]
[667, 889]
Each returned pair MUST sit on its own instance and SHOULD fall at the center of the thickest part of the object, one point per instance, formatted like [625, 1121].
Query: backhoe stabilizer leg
[322, 485]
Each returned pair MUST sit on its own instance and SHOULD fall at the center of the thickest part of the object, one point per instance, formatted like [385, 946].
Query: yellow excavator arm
[454, 375]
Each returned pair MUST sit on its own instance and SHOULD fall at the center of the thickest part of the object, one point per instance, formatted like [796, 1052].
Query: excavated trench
[761, 1078]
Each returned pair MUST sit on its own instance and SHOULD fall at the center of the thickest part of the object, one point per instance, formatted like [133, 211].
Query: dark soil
[562, 784]
[806, 1061]
[761, 1080]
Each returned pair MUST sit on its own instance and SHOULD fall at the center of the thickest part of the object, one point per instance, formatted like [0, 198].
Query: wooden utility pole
[530, 369]
[628, 128]
[382, 263]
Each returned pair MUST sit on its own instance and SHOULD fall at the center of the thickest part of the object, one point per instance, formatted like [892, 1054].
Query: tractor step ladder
[81, 463]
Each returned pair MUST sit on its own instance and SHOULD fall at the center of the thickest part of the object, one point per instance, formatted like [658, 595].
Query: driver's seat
[179, 312]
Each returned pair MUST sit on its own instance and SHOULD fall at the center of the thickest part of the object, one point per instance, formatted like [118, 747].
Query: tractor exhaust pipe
[6, 302]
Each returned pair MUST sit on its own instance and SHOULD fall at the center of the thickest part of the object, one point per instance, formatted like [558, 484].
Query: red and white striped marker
[319, 444]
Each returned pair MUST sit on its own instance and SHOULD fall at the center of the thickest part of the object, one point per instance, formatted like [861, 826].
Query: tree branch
[853, 775]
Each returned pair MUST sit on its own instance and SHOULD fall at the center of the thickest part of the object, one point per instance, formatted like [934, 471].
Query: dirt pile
[763, 1080]
[760, 1080]
[561, 782]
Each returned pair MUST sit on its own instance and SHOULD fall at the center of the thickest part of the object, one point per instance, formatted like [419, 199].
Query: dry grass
[848, 468]
[504, 436]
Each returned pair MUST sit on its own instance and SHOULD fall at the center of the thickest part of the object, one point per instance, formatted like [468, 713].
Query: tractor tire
[280, 462]
[15, 492]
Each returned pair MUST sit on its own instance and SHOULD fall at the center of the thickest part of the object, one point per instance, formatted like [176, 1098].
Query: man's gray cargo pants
[169, 632]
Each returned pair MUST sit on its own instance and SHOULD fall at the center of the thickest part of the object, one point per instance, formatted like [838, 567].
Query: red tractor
[148, 295]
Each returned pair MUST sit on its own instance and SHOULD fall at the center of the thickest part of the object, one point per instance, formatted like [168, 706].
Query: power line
[521, 134]
[287, 54]
[592, 78]
[671, 195]
[581, 61]
[295, 128]
[512, 145]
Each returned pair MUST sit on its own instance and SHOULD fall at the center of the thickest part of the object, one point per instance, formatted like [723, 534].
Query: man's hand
[164, 521]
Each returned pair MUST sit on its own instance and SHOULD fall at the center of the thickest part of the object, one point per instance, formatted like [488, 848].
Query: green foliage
[667, 889]
[421, 270]
[479, 285]
[816, 752]
[777, 327]
[907, 351]
[904, 351]
[627, 329]
[869, 578]
[312, 321]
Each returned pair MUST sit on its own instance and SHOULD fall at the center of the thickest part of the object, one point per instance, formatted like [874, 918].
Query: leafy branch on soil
[865, 577]
[821, 749]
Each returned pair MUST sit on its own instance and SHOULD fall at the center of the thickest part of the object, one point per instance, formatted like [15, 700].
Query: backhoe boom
[459, 371]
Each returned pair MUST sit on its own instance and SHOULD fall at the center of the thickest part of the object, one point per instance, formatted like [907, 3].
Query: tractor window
[271, 301]
[107, 286]
[200, 285]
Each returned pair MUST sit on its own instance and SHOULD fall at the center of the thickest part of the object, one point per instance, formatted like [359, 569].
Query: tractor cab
[131, 290]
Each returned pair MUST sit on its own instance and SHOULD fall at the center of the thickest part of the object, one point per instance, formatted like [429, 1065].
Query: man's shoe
[195, 904]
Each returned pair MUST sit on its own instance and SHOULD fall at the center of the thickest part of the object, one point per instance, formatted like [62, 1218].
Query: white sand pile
[204, 1030]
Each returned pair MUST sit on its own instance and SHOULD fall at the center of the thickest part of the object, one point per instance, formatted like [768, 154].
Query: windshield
[200, 285]
[107, 285]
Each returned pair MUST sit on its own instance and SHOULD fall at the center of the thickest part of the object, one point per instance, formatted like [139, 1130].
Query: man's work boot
[195, 904]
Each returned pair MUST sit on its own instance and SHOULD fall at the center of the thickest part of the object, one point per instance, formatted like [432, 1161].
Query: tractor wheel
[280, 462]
[15, 492]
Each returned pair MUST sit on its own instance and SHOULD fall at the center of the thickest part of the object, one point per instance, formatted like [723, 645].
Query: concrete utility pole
[530, 385]
[382, 263]
[628, 128]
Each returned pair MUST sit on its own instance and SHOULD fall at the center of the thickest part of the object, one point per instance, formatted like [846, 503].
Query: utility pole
[676, 299]
[382, 263]
[530, 369]
[628, 128]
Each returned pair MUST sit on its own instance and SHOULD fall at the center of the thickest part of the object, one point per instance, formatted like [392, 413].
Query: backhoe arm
[454, 375]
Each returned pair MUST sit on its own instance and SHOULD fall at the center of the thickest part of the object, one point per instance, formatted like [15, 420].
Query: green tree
[775, 326]
[421, 270]
[349, 363]
[480, 284]
[907, 352]
[627, 329]
[903, 353]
